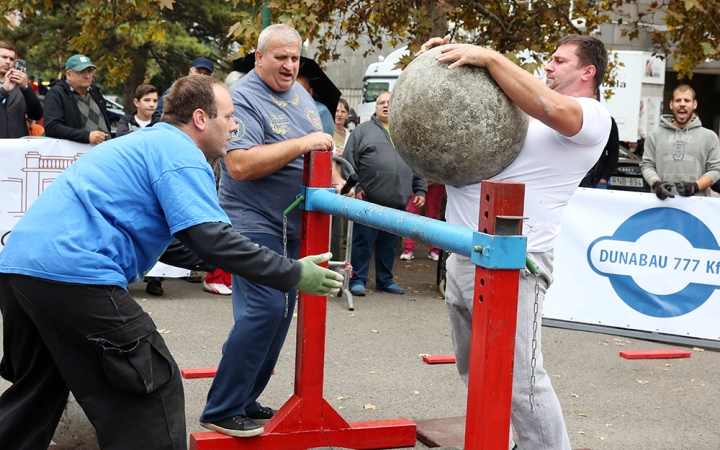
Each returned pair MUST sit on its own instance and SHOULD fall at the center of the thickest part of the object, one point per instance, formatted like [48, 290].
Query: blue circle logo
[662, 262]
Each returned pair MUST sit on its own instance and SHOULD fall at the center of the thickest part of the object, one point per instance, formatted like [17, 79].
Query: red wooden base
[439, 359]
[288, 430]
[200, 372]
[654, 354]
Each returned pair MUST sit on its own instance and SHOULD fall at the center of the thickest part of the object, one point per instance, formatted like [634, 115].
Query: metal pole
[496, 252]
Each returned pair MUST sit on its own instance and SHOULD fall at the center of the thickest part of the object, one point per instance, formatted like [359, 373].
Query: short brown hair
[684, 88]
[8, 46]
[189, 94]
[591, 51]
[344, 102]
[143, 90]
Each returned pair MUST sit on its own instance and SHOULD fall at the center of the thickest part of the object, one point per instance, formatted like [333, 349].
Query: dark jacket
[608, 162]
[62, 116]
[127, 124]
[384, 177]
[14, 105]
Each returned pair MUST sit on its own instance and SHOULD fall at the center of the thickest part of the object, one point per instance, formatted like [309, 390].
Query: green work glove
[316, 280]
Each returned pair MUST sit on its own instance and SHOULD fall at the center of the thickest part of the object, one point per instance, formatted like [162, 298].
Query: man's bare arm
[262, 160]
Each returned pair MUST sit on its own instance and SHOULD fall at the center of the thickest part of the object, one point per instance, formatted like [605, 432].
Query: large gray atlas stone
[455, 127]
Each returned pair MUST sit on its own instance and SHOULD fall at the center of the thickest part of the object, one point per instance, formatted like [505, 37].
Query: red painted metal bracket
[200, 372]
[439, 359]
[654, 354]
[492, 345]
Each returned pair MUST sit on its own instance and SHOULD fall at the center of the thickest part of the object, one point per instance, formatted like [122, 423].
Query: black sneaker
[154, 287]
[238, 426]
[194, 277]
[262, 415]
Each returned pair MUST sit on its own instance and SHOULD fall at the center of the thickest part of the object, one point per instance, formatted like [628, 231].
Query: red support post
[307, 420]
[493, 328]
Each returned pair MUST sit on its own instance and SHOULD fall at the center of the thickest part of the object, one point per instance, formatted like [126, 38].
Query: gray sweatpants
[544, 427]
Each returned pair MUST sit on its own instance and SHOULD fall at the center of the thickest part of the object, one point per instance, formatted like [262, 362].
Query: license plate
[626, 181]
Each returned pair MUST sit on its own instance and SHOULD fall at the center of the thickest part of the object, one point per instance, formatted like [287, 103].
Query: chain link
[533, 359]
[287, 295]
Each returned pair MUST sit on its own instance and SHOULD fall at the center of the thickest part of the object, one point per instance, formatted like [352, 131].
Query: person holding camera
[16, 95]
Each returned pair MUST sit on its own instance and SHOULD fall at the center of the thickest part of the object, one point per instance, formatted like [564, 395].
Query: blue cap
[203, 63]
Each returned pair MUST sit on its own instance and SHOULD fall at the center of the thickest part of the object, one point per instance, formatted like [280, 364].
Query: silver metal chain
[533, 359]
[287, 295]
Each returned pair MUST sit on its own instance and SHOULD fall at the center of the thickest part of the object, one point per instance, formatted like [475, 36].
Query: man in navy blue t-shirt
[278, 123]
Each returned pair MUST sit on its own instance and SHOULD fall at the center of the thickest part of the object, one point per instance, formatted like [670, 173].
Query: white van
[379, 77]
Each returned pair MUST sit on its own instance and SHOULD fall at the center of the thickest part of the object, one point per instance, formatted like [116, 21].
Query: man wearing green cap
[74, 107]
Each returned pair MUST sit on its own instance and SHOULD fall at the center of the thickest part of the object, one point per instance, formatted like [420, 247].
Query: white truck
[379, 77]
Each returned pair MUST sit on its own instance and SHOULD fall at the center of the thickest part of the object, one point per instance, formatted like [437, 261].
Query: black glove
[662, 189]
[687, 188]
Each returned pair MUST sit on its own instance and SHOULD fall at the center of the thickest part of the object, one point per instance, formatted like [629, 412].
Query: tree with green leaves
[131, 41]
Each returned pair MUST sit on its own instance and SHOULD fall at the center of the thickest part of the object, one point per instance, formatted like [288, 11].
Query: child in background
[145, 101]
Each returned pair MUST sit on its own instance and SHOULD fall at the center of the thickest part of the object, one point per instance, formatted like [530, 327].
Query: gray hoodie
[675, 154]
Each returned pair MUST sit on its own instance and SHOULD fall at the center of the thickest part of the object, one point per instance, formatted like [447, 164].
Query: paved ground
[374, 370]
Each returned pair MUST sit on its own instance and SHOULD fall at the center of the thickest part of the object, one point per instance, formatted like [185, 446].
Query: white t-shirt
[551, 166]
[142, 123]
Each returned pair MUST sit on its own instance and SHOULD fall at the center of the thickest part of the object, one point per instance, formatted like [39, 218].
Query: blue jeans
[254, 343]
[364, 238]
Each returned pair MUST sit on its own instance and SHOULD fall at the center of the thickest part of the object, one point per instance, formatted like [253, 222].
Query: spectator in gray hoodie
[681, 157]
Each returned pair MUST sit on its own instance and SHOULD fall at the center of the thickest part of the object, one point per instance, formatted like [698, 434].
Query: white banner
[630, 260]
[28, 167]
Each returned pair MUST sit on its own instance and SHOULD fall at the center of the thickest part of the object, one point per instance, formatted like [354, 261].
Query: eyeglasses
[84, 73]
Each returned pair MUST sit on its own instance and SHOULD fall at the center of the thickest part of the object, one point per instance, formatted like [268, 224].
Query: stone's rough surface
[455, 127]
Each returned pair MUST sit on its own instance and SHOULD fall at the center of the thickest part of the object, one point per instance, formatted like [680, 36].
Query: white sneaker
[407, 255]
[217, 288]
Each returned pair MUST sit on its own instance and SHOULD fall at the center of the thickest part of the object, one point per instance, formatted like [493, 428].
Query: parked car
[628, 175]
[114, 111]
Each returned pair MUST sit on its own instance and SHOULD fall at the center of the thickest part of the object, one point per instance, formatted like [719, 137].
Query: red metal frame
[200, 372]
[439, 359]
[492, 347]
[655, 354]
[307, 420]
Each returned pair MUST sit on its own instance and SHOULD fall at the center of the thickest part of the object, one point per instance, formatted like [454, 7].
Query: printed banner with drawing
[28, 167]
[630, 260]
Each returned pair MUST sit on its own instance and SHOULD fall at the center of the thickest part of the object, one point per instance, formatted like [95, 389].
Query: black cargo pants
[98, 343]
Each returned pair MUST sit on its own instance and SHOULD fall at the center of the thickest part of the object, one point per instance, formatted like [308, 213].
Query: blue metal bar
[498, 252]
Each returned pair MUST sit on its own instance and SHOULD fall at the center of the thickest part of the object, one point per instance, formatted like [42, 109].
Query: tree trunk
[439, 18]
[135, 78]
